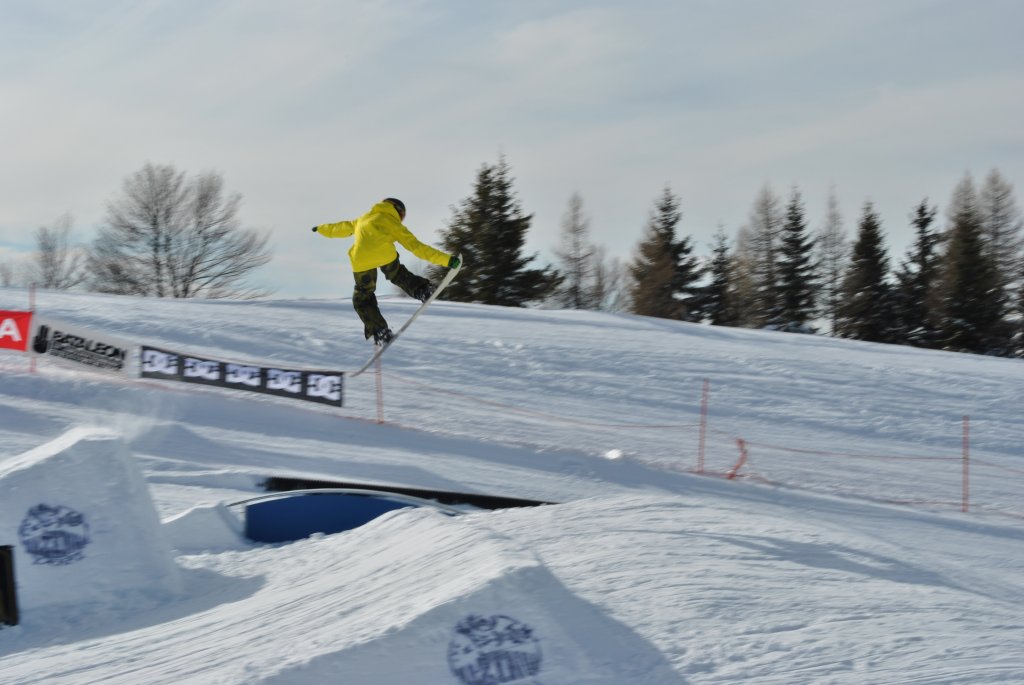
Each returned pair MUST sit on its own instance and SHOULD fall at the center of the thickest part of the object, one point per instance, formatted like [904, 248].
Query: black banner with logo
[66, 343]
[324, 387]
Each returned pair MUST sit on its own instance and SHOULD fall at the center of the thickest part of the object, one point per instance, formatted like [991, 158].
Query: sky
[313, 111]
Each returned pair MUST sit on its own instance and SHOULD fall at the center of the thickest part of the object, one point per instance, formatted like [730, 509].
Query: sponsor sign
[15, 328]
[78, 345]
[54, 535]
[490, 650]
[324, 387]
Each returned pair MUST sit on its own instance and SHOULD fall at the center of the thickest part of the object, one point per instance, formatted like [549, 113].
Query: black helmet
[399, 205]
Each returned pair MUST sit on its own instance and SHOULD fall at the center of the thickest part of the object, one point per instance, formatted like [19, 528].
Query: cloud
[314, 110]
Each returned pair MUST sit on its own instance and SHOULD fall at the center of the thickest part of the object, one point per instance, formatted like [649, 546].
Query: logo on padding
[54, 535]
[493, 650]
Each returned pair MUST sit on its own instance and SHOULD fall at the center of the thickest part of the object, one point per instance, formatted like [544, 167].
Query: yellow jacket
[376, 233]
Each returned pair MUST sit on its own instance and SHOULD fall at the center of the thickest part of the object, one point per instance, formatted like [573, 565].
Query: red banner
[14, 330]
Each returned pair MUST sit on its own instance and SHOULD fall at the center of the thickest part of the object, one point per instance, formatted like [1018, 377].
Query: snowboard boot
[382, 336]
[424, 292]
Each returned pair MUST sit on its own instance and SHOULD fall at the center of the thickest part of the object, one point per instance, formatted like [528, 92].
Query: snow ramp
[413, 597]
[469, 606]
[82, 522]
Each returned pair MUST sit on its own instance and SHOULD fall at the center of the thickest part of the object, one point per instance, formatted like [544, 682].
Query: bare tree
[742, 284]
[610, 286]
[832, 252]
[6, 274]
[56, 264]
[766, 223]
[576, 255]
[1003, 229]
[171, 236]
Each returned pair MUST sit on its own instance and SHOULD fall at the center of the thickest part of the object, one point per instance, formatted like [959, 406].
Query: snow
[90, 477]
[839, 554]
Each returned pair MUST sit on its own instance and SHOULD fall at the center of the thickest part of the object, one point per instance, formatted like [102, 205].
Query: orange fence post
[742, 444]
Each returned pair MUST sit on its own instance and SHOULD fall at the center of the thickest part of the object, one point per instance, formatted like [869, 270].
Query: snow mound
[483, 611]
[205, 528]
[173, 440]
[84, 525]
[415, 596]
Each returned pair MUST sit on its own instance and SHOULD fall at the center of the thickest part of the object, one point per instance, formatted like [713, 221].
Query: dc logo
[202, 368]
[243, 375]
[54, 535]
[286, 381]
[155, 361]
[493, 650]
[320, 385]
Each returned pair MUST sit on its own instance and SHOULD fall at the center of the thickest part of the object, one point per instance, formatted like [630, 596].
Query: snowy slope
[840, 554]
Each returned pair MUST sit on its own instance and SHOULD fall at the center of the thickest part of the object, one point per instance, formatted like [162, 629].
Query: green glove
[454, 263]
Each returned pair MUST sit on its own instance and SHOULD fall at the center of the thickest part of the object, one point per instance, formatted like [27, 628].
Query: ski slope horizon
[838, 554]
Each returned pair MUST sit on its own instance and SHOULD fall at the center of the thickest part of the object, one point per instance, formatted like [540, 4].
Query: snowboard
[448, 278]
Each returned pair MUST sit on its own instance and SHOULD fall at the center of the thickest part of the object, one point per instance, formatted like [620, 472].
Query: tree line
[959, 287]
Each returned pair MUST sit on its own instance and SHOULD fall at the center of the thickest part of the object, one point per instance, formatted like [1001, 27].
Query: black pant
[364, 298]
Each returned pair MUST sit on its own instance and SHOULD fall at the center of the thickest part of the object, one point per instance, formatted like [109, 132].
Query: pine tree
[688, 272]
[973, 302]
[831, 253]
[653, 268]
[664, 270]
[914, 289]
[718, 301]
[797, 280]
[489, 231]
[864, 313]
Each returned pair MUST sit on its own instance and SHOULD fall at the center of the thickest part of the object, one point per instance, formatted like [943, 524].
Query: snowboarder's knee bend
[393, 270]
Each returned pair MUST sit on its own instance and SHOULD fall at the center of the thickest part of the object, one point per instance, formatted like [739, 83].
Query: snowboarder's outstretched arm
[425, 252]
[341, 229]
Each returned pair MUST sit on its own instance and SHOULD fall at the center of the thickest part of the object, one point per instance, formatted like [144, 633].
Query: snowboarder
[376, 233]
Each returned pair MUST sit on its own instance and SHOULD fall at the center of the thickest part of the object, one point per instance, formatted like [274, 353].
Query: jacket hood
[387, 208]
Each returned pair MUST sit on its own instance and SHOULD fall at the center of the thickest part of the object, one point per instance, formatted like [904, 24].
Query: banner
[15, 328]
[64, 342]
[324, 387]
